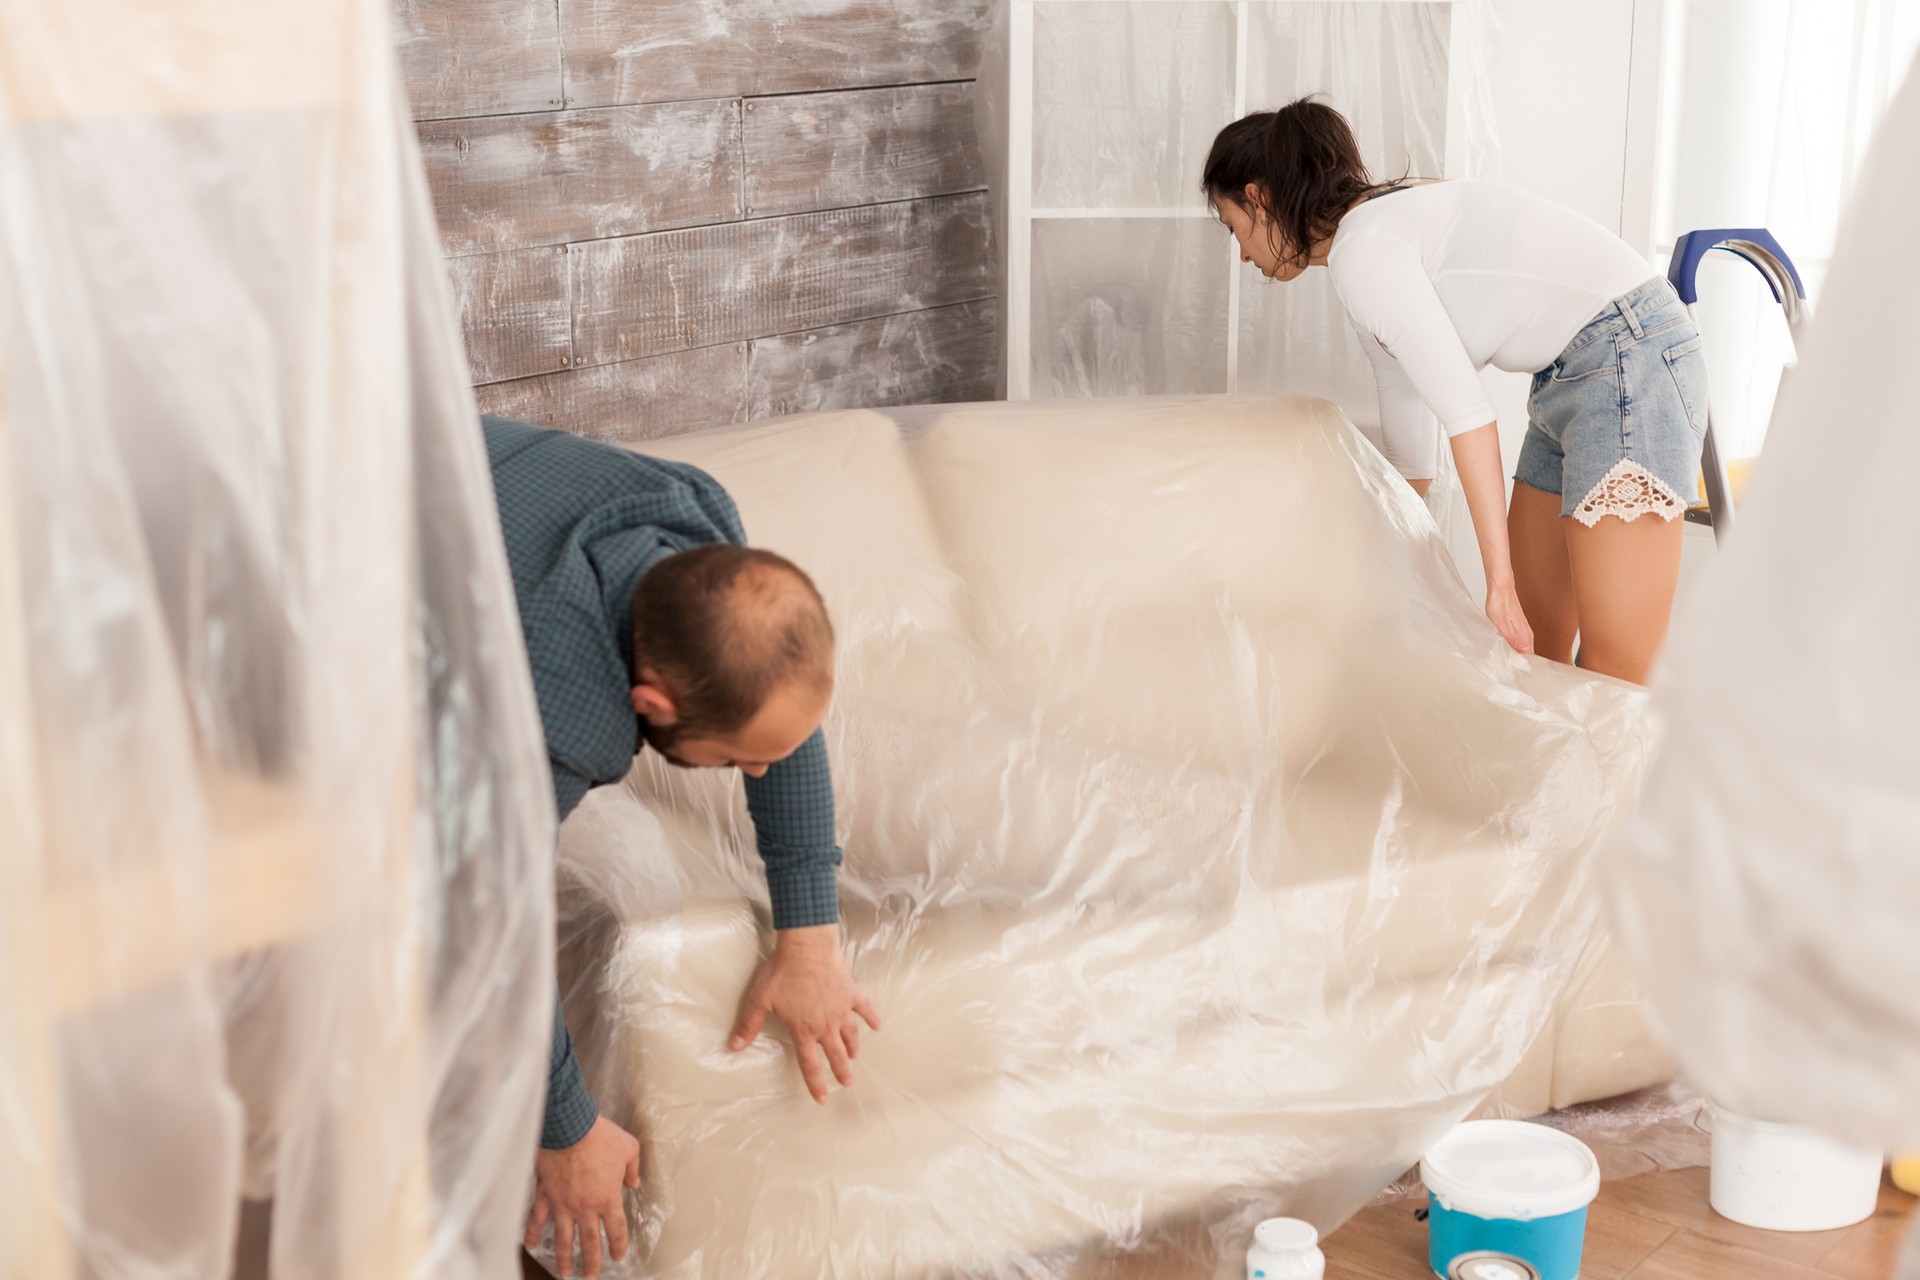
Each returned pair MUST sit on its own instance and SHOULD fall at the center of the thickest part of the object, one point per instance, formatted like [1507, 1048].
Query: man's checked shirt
[583, 523]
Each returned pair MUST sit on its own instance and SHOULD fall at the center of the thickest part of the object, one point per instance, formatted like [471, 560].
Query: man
[648, 621]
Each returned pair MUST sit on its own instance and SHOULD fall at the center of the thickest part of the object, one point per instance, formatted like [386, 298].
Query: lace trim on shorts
[1629, 491]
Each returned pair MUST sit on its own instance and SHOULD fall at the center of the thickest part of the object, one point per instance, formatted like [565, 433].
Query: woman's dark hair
[1303, 159]
[723, 626]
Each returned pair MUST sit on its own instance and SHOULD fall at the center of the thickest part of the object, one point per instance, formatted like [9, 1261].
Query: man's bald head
[722, 629]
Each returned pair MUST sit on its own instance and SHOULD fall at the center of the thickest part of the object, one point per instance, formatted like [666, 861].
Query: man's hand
[579, 1186]
[807, 985]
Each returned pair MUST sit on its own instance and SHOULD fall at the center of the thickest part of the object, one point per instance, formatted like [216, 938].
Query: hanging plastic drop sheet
[1769, 891]
[1207, 856]
[275, 879]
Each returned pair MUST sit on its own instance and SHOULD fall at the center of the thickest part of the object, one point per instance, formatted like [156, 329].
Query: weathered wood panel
[620, 51]
[604, 278]
[479, 57]
[646, 295]
[514, 312]
[923, 357]
[558, 176]
[831, 150]
[633, 400]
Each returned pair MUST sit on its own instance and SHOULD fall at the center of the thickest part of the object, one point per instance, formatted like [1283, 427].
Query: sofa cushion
[1034, 1088]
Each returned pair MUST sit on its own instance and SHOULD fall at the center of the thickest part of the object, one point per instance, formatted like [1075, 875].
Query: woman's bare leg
[1625, 574]
[1542, 575]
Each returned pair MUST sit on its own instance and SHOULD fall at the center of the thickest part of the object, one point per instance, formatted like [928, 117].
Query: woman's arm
[1391, 300]
[1476, 455]
[1409, 434]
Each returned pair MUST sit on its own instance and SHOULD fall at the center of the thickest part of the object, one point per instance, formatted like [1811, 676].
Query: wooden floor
[1655, 1227]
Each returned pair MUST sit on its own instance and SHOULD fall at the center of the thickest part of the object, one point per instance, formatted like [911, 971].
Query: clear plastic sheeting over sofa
[275, 830]
[1208, 855]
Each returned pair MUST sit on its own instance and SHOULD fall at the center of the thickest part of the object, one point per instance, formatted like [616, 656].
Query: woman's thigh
[1537, 536]
[1628, 411]
[1624, 577]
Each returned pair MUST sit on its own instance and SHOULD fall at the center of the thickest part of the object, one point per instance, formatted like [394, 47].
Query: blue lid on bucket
[1510, 1169]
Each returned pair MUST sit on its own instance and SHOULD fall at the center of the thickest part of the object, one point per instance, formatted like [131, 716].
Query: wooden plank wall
[661, 215]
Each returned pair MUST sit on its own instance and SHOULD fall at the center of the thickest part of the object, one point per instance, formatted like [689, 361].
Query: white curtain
[1768, 109]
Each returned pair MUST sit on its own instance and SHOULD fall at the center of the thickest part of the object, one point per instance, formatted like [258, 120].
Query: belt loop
[1625, 303]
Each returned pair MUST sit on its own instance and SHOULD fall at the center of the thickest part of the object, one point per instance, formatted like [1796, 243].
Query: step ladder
[1755, 245]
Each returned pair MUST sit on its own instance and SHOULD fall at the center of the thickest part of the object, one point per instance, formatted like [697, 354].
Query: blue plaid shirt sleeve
[792, 811]
[571, 1109]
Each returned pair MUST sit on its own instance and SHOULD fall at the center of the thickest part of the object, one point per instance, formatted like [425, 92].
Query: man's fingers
[633, 1170]
[536, 1222]
[864, 1007]
[836, 1052]
[850, 1036]
[563, 1243]
[808, 1054]
[748, 1029]
[617, 1232]
[590, 1245]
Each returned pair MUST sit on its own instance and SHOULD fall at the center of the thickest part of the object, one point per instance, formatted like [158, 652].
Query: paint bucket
[1788, 1177]
[1513, 1188]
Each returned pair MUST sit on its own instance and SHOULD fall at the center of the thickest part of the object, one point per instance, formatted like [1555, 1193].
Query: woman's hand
[1508, 618]
[1476, 455]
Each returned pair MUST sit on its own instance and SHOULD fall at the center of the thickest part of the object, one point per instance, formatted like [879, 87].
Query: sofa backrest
[835, 493]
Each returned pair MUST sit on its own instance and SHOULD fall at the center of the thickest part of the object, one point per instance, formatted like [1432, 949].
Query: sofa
[1207, 856]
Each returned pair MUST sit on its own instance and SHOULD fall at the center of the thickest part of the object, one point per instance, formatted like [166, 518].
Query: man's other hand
[579, 1187]
[807, 985]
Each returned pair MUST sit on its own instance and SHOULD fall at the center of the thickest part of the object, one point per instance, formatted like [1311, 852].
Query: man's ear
[652, 701]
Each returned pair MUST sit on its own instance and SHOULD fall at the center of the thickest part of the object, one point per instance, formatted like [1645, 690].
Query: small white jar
[1285, 1249]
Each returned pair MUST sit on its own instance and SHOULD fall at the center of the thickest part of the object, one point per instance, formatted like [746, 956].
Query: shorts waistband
[1634, 306]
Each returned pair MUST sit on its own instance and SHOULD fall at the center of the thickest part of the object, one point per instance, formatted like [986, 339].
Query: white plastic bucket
[1788, 1177]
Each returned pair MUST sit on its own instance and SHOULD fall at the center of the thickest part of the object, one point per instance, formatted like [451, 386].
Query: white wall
[1578, 124]
[1560, 75]
[1559, 82]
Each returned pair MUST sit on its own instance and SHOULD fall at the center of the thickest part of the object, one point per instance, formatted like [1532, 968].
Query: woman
[1442, 278]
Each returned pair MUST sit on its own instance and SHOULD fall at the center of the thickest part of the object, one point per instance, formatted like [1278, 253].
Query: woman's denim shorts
[1615, 425]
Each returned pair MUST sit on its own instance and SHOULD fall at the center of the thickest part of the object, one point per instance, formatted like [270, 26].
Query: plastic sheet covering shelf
[275, 864]
[1208, 855]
